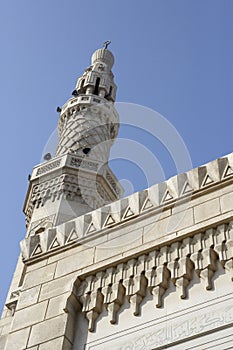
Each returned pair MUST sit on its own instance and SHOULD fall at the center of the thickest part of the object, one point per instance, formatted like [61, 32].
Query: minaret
[78, 180]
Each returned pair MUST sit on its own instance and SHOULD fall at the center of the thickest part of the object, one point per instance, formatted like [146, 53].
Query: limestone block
[47, 330]
[211, 222]
[37, 265]
[56, 344]
[168, 225]
[5, 313]
[66, 253]
[207, 210]
[3, 339]
[74, 262]
[118, 245]
[226, 202]
[6, 329]
[125, 231]
[180, 220]
[30, 315]
[39, 276]
[17, 340]
[5, 321]
[182, 206]
[56, 305]
[58, 286]
[28, 297]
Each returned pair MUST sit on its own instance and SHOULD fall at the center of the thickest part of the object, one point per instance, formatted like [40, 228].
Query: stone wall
[151, 270]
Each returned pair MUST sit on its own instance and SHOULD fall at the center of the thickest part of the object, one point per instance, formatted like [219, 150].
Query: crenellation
[138, 205]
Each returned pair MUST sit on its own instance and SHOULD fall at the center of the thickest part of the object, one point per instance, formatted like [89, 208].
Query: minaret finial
[106, 43]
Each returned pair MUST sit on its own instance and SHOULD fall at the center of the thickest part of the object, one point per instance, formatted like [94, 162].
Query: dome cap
[103, 55]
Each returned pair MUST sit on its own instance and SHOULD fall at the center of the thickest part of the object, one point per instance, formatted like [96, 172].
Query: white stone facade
[150, 271]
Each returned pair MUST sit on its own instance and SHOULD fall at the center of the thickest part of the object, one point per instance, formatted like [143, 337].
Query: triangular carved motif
[207, 181]
[147, 205]
[72, 237]
[228, 171]
[54, 244]
[109, 220]
[37, 250]
[128, 213]
[187, 188]
[91, 228]
[167, 196]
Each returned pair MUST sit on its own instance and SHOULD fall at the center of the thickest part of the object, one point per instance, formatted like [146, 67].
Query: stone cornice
[156, 199]
[74, 162]
[153, 272]
[66, 175]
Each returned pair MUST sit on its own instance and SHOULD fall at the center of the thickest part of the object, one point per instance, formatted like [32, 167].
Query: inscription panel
[170, 331]
[85, 164]
[50, 166]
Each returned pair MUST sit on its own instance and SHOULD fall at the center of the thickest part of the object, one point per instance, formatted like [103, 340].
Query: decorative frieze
[53, 188]
[153, 272]
[137, 205]
[48, 167]
[77, 179]
[174, 329]
[85, 164]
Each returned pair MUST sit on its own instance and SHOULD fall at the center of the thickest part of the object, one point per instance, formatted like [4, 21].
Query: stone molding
[76, 179]
[74, 162]
[157, 198]
[48, 167]
[153, 272]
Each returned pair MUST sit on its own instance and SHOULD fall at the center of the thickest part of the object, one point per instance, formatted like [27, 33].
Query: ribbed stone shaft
[89, 123]
[88, 129]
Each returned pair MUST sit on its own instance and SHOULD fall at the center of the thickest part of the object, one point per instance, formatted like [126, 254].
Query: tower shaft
[78, 179]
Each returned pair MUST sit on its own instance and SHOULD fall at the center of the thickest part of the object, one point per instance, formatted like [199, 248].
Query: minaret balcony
[83, 100]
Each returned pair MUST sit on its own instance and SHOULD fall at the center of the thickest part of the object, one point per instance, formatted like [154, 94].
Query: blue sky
[173, 56]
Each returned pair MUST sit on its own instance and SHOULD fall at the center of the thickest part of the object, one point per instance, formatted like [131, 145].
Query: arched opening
[81, 89]
[97, 83]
